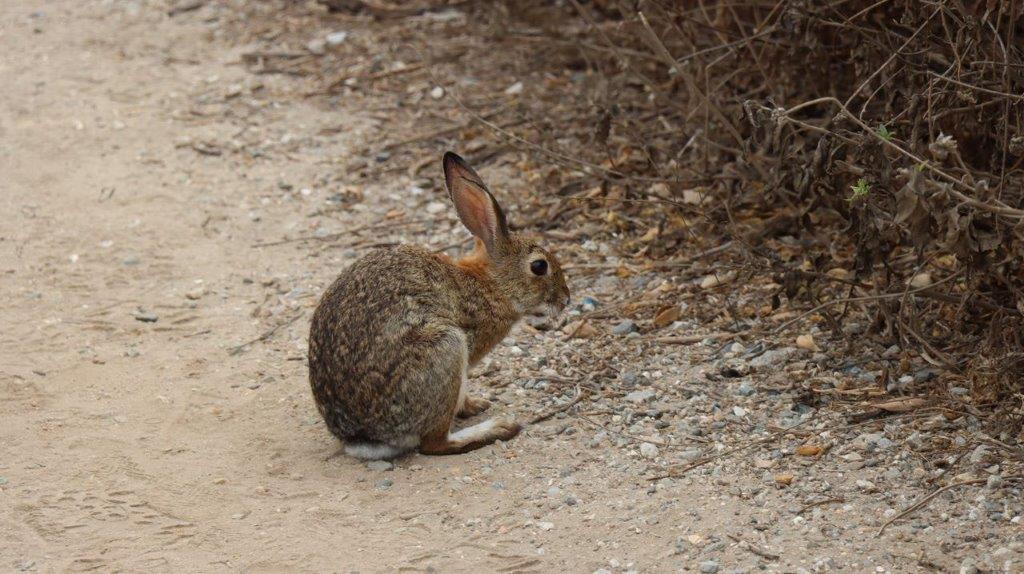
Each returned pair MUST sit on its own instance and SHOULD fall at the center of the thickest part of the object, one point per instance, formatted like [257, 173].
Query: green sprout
[859, 190]
[884, 133]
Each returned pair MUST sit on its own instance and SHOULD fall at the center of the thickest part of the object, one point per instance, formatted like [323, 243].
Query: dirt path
[139, 164]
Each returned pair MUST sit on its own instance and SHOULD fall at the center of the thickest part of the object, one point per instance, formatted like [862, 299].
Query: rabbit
[393, 338]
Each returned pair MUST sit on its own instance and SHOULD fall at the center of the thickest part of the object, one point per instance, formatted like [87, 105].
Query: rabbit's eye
[539, 267]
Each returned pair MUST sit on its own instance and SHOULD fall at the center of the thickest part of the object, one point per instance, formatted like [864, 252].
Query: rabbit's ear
[477, 208]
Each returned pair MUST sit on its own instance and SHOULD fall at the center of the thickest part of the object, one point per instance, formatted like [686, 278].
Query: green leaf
[860, 189]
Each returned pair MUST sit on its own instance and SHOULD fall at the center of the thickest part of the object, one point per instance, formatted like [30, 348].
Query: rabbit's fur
[393, 337]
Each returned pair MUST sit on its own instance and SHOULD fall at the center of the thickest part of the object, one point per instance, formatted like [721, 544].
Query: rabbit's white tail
[371, 450]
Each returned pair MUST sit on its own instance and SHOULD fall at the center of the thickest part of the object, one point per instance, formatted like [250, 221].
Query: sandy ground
[128, 444]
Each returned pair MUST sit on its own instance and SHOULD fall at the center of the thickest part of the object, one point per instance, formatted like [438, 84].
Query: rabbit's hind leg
[470, 438]
[439, 440]
[451, 364]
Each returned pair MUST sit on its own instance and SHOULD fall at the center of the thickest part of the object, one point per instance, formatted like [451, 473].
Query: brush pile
[878, 146]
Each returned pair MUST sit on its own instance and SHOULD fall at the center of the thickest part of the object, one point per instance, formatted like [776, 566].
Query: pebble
[380, 465]
[866, 485]
[383, 484]
[772, 358]
[545, 526]
[625, 327]
[437, 93]
[317, 47]
[570, 500]
[641, 396]
[196, 293]
[979, 455]
[745, 389]
[648, 450]
[146, 316]
[514, 89]
[336, 38]
[709, 567]
[969, 566]
[435, 207]
[690, 454]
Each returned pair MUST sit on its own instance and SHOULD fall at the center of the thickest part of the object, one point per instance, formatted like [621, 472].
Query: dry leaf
[716, 279]
[807, 342]
[651, 234]
[667, 316]
[921, 280]
[784, 479]
[808, 450]
[580, 330]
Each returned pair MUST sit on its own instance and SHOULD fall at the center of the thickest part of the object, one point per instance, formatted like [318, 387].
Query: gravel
[648, 451]
[624, 327]
[379, 465]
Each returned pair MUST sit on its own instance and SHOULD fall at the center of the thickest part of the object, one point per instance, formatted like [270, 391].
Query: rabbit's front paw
[473, 406]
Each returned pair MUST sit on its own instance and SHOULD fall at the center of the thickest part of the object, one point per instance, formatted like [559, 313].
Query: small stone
[709, 567]
[994, 482]
[624, 327]
[739, 411]
[146, 316]
[773, 357]
[545, 526]
[866, 485]
[383, 484]
[641, 396]
[336, 38]
[570, 500]
[979, 455]
[648, 450]
[745, 389]
[437, 93]
[380, 465]
[515, 89]
[690, 454]
[316, 47]
[196, 293]
[969, 566]
[435, 207]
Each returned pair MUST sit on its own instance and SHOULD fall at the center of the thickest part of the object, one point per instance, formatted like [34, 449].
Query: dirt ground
[154, 409]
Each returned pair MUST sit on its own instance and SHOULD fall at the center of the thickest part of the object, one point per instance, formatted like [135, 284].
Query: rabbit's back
[384, 344]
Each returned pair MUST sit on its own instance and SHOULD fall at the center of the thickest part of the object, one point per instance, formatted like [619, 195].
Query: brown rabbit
[394, 336]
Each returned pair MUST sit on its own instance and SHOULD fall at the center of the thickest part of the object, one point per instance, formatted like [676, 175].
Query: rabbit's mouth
[545, 311]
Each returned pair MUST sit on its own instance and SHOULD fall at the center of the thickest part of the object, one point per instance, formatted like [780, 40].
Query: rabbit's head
[526, 273]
